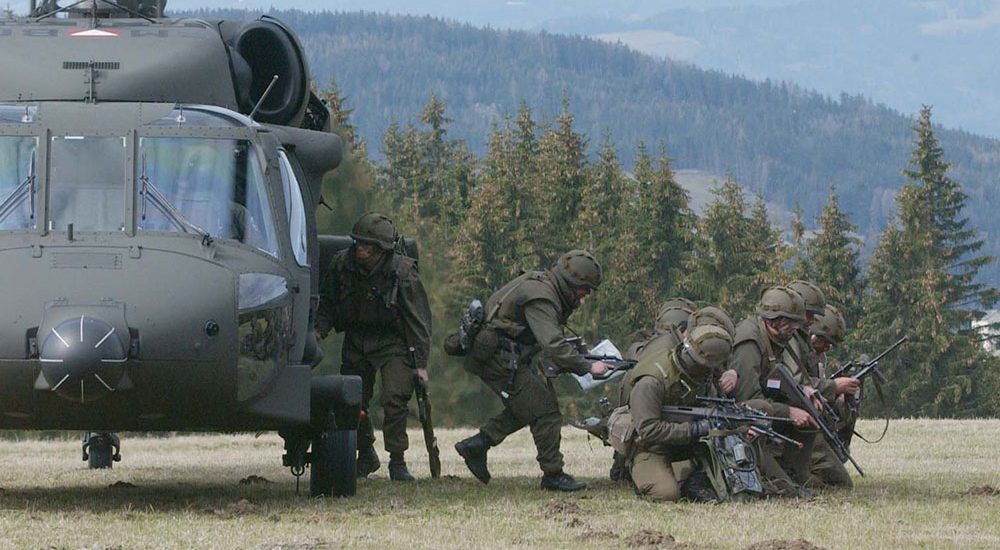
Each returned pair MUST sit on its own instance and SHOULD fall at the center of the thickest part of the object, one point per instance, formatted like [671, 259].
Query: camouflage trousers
[531, 401]
[397, 387]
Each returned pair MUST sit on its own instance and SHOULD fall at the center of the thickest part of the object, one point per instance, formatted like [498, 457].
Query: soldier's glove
[698, 429]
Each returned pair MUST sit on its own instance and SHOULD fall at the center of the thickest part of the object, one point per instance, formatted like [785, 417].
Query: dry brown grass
[929, 485]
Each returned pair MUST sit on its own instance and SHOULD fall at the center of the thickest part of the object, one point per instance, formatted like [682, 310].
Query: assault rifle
[424, 414]
[727, 414]
[782, 381]
[731, 462]
[861, 369]
[619, 364]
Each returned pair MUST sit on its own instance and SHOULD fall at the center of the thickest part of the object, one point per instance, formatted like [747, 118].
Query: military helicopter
[159, 180]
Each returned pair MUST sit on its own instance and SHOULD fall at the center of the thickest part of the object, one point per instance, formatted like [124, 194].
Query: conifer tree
[560, 178]
[345, 190]
[801, 265]
[833, 257]
[664, 221]
[735, 256]
[923, 284]
[606, 226]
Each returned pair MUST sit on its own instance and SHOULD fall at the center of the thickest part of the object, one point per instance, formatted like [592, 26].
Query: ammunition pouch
[622, 433]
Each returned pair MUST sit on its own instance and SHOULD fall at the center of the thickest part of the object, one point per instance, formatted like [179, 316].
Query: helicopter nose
[83, 359]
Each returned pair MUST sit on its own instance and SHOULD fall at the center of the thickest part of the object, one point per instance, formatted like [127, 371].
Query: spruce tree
[561, 171]
[834, 260]
[923, 284]
[664, 221]
[735, 255]
[345, 190]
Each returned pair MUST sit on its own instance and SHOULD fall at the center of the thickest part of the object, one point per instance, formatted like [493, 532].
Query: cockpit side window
[18, 182]
[208, 185]
[87, 183]
[296, 211]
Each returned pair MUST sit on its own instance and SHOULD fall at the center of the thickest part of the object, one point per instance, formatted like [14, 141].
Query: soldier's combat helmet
[706, 347]
[830, 325]
[375, 229]
[781, 301]
[811, 294]
[674, 313]
[579, 268]
[712, 316]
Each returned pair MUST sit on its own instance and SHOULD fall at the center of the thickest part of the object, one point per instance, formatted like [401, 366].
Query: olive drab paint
[158, 247]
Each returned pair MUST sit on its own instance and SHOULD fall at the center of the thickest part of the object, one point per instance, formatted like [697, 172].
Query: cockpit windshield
[215, 185]
[18, 184]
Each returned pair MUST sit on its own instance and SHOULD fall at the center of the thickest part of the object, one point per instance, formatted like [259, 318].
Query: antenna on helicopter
[263, 96]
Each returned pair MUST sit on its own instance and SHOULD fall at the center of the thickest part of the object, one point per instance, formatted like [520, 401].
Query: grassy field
[924, 488]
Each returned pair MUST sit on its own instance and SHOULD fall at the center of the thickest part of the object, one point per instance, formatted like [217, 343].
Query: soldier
[831, 470]
[525, 318]
[672, 318]
[373, 295]
[762, 341]
[826, 332]
[674, 376]
[815, 303]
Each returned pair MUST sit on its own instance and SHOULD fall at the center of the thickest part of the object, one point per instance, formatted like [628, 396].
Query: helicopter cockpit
[192, 170]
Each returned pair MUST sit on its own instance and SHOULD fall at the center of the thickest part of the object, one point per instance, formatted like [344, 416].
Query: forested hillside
[788, 143]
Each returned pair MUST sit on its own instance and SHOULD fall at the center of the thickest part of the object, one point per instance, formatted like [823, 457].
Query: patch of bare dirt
[779, 544]
[254, 480]
[560, 509]
[242, 507]
[648, 538]
[305, 545]
[119, 485]
[981, 491]
[597, 534]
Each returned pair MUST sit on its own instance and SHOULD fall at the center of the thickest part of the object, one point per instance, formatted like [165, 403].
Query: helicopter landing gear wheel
[334, 462]
[100, 450]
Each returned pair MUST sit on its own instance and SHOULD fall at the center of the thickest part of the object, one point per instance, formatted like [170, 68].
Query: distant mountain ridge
[788, 143]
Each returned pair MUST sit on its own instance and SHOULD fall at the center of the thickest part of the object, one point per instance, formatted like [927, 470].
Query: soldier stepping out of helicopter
[373, 294]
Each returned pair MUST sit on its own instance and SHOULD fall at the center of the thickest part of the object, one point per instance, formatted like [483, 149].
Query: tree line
[774, 137]
[535, 192]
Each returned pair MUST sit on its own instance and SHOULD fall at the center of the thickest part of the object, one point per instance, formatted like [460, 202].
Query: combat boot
[397, 468]
[697, 488]
[368, 461]
[473, 450]
[561, 481]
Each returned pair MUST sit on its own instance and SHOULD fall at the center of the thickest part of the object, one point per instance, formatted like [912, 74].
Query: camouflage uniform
[384, 314]
[827, 468]
[524, 326]
[754, 356]
[662, 447]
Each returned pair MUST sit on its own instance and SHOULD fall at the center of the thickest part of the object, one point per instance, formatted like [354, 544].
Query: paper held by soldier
[605, 348]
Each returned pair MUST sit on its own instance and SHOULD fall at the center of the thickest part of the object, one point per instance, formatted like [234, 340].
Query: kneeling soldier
[677, 376]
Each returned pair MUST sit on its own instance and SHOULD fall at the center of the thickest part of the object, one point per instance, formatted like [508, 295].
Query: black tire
[334, 464]
[100, 454]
